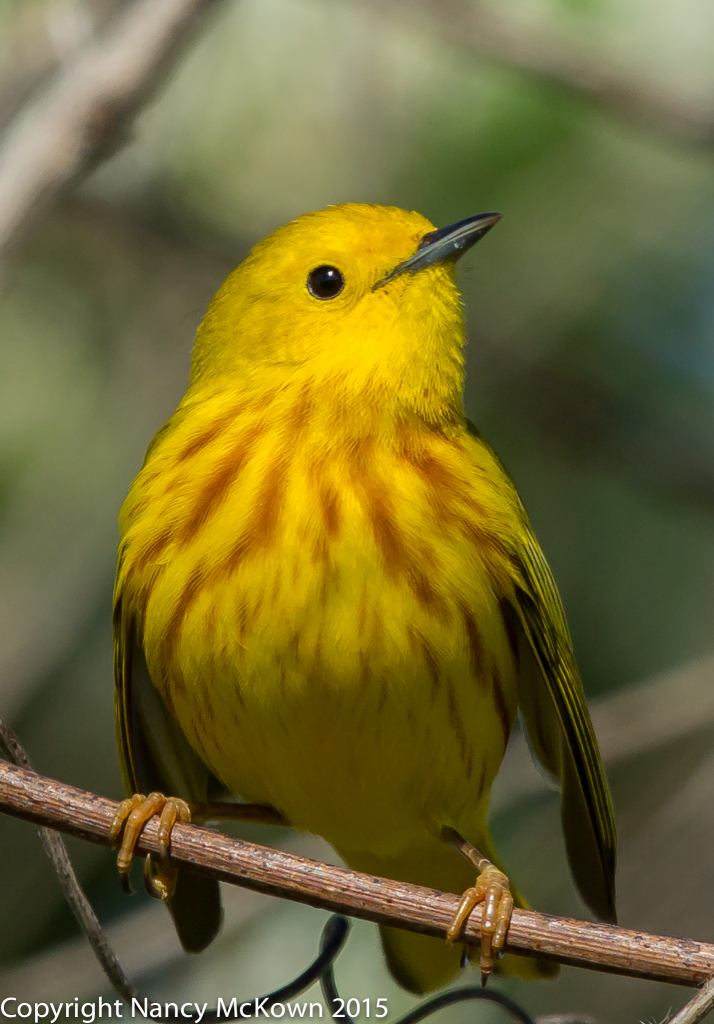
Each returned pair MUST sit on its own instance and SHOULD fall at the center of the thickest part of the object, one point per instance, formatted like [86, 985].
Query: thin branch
[85, 114]
[598, 946]
[553, 58]
[698, 1008]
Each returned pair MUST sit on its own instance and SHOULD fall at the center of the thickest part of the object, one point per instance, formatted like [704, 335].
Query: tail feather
[196, 909]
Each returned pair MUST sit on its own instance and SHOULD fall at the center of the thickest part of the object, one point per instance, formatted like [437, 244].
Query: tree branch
[698, 1008]
[46, 802]
[86, 112]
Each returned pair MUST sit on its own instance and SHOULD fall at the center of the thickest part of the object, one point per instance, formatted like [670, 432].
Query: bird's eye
[325, 282]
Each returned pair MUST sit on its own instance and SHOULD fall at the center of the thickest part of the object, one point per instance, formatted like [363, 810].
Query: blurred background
[590, 125]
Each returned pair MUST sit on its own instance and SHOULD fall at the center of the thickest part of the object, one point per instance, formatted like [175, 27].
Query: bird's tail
[420, 963]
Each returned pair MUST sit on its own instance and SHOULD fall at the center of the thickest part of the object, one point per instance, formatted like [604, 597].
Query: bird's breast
[326, 626]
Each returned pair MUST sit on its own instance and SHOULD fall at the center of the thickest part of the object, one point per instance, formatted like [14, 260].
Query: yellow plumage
[322, 574]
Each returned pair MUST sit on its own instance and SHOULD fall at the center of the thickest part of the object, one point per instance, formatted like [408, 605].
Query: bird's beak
[445, 244]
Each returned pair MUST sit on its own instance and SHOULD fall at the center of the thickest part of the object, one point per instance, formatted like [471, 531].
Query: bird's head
[360, 299]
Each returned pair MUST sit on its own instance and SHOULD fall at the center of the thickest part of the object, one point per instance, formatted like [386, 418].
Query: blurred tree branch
[20, 76]
[40, 38]
[600, 947]
[85, 113]
[565, 62]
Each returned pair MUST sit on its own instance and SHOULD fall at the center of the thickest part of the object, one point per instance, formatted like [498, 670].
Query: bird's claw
[491, 889]
[131, 816]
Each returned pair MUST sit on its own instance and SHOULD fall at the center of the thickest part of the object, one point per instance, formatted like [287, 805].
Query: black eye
[325, 282]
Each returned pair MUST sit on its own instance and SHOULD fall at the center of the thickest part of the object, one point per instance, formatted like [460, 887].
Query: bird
[329, 600]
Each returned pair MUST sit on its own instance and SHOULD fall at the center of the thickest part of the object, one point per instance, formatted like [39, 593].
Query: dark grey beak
[445, 244]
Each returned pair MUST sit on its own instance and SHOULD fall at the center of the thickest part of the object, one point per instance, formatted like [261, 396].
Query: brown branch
[44, 801]
[86, 112]
[565, 62]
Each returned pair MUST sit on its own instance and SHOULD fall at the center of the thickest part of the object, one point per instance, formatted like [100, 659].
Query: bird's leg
[492, 889]
[136, 810]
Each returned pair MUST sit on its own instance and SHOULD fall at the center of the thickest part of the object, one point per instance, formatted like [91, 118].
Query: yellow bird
[329, 599]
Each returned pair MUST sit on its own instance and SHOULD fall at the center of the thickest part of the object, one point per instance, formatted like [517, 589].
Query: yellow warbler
[329, 597]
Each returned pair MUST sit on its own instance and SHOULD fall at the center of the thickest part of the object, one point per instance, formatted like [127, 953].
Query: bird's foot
[130, 818]
[492, 889]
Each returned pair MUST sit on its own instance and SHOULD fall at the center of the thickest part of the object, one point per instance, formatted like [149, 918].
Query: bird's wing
[556, 717]
[154, 754]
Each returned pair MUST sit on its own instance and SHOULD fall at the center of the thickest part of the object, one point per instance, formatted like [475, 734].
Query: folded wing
[556, 717]
[156, 756]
